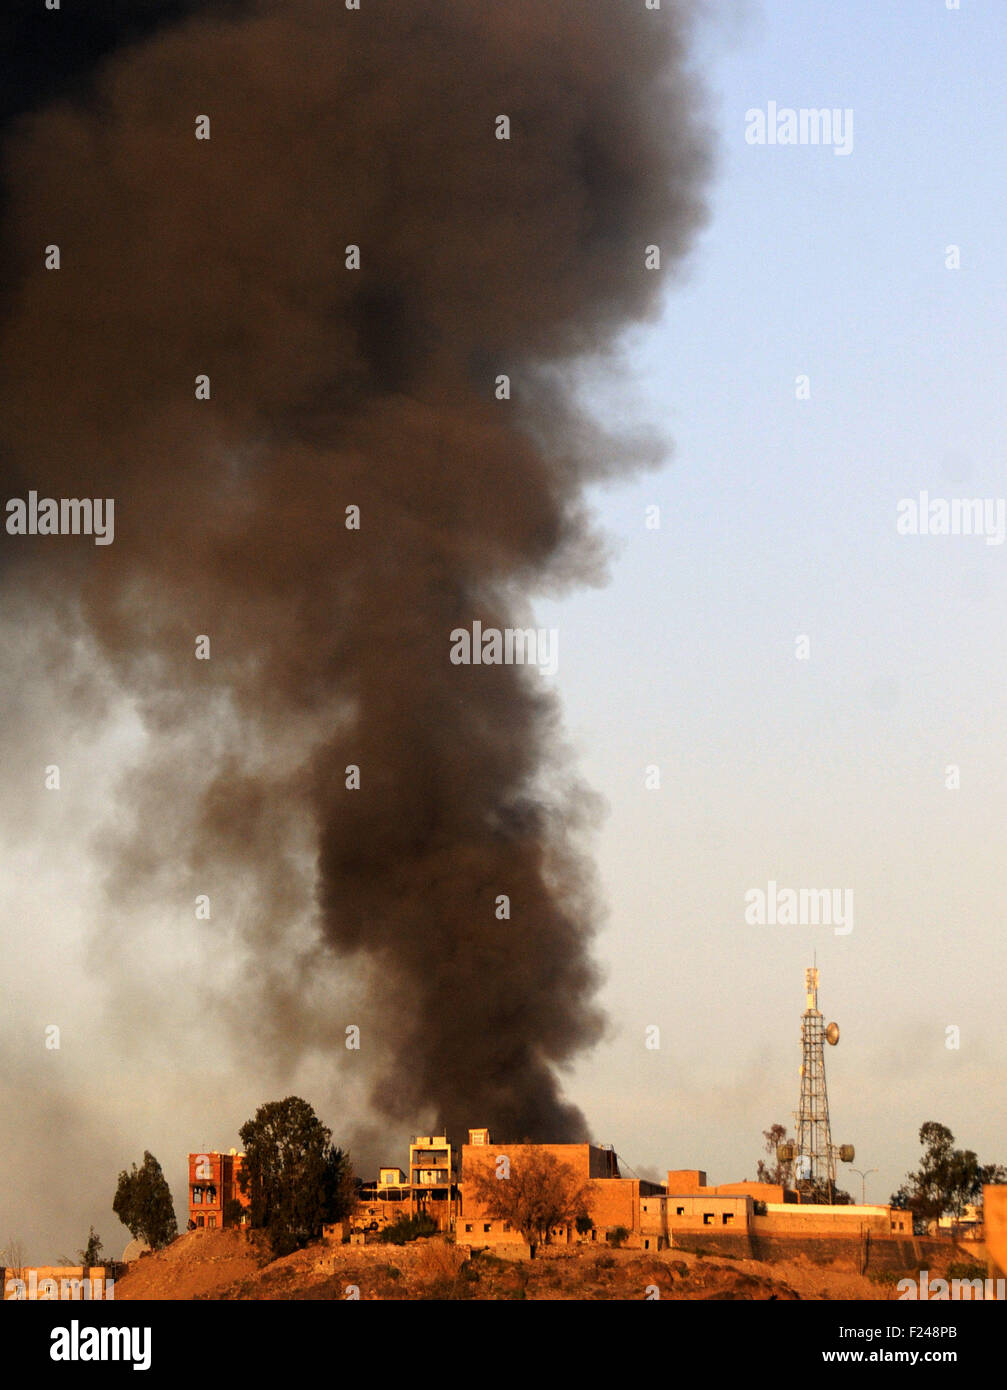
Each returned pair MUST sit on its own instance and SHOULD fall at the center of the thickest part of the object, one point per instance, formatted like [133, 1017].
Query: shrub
[409, 1228]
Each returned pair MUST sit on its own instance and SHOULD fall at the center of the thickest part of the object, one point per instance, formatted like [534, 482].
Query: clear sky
[778, 519]
[777, 522]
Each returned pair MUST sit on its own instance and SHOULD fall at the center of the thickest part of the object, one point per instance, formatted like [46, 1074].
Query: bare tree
[781, 1171]
[12, 1257]
[537, 1193]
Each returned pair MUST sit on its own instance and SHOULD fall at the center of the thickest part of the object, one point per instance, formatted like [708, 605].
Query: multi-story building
[213, 1185]
[433, 1178]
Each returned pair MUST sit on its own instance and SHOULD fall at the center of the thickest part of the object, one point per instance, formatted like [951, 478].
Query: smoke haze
[333, 388]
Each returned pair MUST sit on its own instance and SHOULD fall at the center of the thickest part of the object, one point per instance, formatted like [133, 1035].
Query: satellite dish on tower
[832, 1034]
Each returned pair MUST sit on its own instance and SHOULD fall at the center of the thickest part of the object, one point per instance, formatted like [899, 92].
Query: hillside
[229, 1265]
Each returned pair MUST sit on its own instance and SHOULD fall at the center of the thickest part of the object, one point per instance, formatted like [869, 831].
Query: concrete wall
[693, 1180]
[995, 1224]
[759, 1191]
[853, 1253]
[686, 1179]
[586, 1160]
[661, 1215]
[807, 1218]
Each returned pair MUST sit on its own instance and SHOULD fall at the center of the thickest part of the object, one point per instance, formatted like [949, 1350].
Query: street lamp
[862, 1174]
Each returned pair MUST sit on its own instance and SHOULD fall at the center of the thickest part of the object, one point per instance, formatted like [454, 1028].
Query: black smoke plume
[334, 387]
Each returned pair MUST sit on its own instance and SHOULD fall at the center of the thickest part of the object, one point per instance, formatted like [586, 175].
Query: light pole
[863, 1181]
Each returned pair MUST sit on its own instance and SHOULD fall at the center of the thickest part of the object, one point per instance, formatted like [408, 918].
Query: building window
[708, 1218]
[199, 1219]
[197, 1196]
[468, 1226]
[728, 1217]
[487, 1228]
[211, 1221]
[680, 1211]
[646, 1245]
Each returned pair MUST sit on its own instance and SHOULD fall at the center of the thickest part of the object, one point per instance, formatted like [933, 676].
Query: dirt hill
[230, 1265]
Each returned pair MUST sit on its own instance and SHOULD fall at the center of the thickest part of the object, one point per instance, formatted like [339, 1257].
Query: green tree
[296, 1178]
[409, 1228]
[233, 1212]
[946, 1180]
[143, 1204]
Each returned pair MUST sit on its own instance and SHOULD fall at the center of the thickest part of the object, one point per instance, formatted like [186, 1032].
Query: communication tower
[814, 1155]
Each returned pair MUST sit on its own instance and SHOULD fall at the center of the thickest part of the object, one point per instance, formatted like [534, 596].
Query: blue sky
[778, 519]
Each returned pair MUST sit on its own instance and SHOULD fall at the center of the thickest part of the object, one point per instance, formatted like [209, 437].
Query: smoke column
[333, 387]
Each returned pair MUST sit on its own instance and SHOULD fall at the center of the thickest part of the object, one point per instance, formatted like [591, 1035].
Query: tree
[539, 1193]
[91, 1254]
[781, 1171]
[296, 1178]
[143, 1204]
[233, 1212]
[947, 1179]
[991, 1175]
[409, 1228]
[12, 1257]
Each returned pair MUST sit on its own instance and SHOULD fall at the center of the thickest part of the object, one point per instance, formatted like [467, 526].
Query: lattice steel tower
[815, 1154]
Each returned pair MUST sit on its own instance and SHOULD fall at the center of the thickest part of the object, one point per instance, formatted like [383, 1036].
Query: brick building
[613, 1201]
[740, 1217]
[213, 1183]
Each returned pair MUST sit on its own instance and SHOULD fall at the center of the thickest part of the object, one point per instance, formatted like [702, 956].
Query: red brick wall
[217, 1189]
